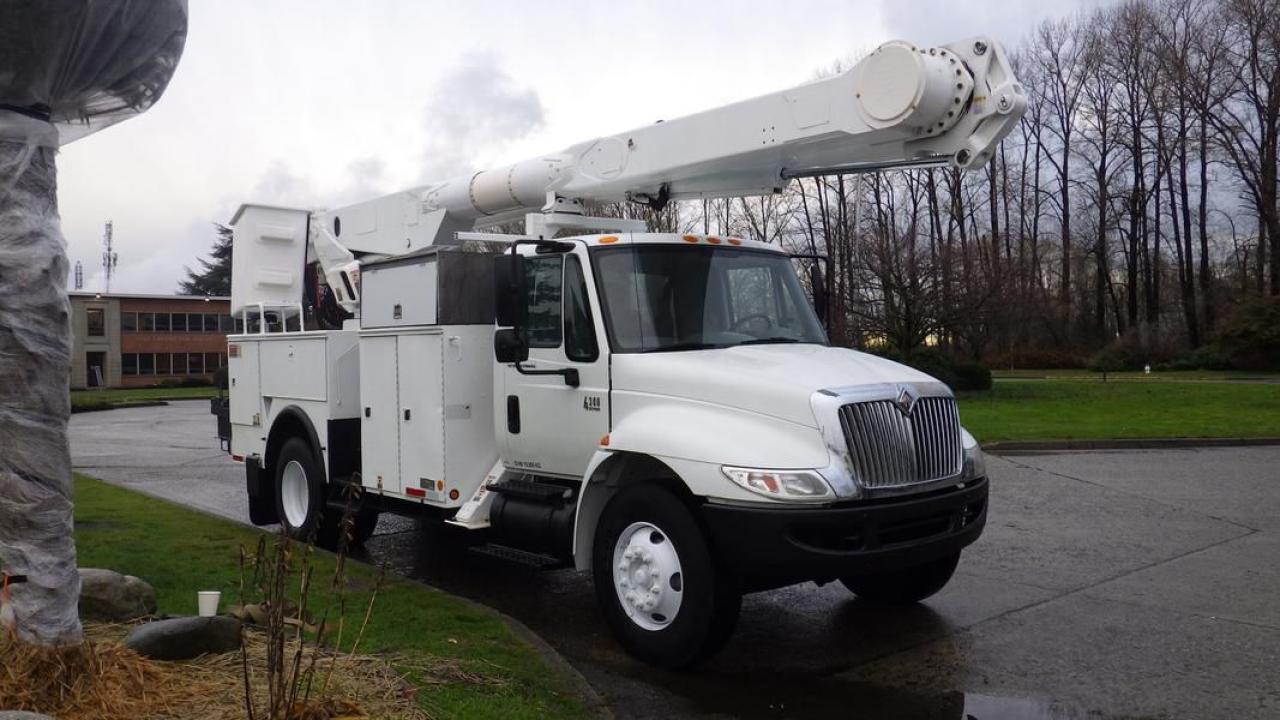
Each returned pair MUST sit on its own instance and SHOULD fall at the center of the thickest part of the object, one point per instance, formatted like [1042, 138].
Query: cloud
[364, 179]
[472, 112]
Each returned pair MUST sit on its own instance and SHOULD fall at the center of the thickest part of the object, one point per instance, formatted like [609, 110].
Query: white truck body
[663, 410]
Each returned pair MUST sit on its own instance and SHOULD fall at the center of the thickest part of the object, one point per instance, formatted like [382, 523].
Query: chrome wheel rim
[647, 576]
[295, 494]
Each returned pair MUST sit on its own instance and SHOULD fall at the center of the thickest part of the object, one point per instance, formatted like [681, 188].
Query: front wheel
[656, 582]
[906, 585]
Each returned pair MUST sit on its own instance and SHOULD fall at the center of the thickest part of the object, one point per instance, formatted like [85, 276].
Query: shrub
[1250, 338]
[1036, 359]
[1110, 359]
[971, 376]
[957, 375]
[1207, 357]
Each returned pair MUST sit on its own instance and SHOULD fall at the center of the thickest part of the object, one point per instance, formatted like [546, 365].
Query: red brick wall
[168, 341]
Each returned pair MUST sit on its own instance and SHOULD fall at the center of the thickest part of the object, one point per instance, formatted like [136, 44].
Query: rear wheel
[904, 586]
[301, 502]
[300, 490]
[656, 581]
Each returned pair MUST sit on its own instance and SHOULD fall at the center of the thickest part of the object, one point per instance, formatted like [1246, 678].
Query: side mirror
[819, 285]
[510, 298]
[509, 346]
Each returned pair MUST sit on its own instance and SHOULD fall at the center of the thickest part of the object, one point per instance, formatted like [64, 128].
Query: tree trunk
[35, 366]
[1202, 219]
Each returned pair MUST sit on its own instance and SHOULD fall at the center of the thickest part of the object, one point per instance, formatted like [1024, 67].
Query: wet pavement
[1108, 584]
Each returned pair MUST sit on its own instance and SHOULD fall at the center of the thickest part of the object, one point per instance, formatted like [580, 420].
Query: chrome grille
[890, 449]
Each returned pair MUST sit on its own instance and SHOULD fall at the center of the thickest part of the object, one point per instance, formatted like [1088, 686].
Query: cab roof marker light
[691, 238]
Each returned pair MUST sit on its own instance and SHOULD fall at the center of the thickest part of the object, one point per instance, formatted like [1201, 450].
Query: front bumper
[768, 547]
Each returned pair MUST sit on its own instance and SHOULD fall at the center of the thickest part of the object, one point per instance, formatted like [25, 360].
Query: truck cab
[675, 382]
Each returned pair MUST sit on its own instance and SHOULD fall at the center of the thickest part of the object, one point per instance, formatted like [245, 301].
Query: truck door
[552, 427]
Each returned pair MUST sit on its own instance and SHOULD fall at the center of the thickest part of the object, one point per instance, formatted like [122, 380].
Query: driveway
[1108, 584]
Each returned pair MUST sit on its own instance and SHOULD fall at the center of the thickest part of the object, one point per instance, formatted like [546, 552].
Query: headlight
[975, 462]
[781, 484]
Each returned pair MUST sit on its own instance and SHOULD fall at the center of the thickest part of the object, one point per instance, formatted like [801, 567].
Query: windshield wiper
[771, 340]
[683, 346]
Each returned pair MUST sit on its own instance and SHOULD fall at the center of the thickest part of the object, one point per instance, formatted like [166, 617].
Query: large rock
[185, 638]
[108, 596]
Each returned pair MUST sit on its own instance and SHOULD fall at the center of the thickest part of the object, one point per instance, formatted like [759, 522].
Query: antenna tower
[109, 258]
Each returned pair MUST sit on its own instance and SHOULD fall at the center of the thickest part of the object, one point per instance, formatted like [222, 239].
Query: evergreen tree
[214, 278]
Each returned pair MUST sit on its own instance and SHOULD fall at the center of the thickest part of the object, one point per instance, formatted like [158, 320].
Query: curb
[1027, 447]
[594, 703]
[577, 683]
[117, 406]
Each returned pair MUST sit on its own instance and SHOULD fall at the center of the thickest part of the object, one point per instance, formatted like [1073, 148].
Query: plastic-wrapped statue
[67, 68]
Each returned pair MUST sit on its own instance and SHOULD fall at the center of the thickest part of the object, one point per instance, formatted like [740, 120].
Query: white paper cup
[208, 601]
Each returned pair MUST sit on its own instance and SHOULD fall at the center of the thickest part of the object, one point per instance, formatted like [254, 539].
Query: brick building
[129, 340]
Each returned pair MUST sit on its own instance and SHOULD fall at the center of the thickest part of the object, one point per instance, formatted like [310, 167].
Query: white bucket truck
[661, 410]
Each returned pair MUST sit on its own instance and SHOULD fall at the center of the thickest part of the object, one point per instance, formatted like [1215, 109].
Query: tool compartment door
[379, 427]
[421, 418]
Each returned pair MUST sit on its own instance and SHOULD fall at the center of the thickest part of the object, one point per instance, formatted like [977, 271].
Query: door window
[543, 276]
[579, 327]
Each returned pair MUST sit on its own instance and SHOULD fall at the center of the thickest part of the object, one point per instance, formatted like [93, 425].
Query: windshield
[675, 297]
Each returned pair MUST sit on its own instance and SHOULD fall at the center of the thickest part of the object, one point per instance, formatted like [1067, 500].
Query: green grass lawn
[1079, 410]
[180, 551]
[122, 397]
[1164, 376]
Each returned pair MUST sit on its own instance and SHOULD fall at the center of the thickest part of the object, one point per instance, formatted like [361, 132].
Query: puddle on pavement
[783, 697]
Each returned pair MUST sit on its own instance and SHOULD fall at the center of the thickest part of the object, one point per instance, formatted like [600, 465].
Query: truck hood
[774, 380]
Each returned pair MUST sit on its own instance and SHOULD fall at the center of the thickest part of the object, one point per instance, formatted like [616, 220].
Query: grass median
[1091, 410]
[109, 398]
[180, 551]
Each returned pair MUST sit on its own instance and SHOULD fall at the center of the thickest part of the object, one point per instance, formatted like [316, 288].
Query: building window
[97, 321]
[129, 321]
[179, 323]
[164, 366]
[179, 363]
[147, 322]
[195, 322]
[162, 322]
[211, 323]
[146, 364]
[195, 363]
[227, 324]
[129, 364]
[211, 362]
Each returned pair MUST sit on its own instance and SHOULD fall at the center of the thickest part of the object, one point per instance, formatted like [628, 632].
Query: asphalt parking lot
[1108, 584]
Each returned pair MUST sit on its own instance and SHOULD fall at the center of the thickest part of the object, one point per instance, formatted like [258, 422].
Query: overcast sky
[317, 103]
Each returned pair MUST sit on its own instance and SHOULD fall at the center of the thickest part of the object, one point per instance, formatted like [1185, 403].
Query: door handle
[407, 412]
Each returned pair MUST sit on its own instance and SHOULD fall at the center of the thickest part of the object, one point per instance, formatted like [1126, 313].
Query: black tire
[905, 586]
[710, 602]
[308, 524]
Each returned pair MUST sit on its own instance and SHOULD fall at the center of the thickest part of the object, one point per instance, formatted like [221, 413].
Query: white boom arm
[900, 106]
